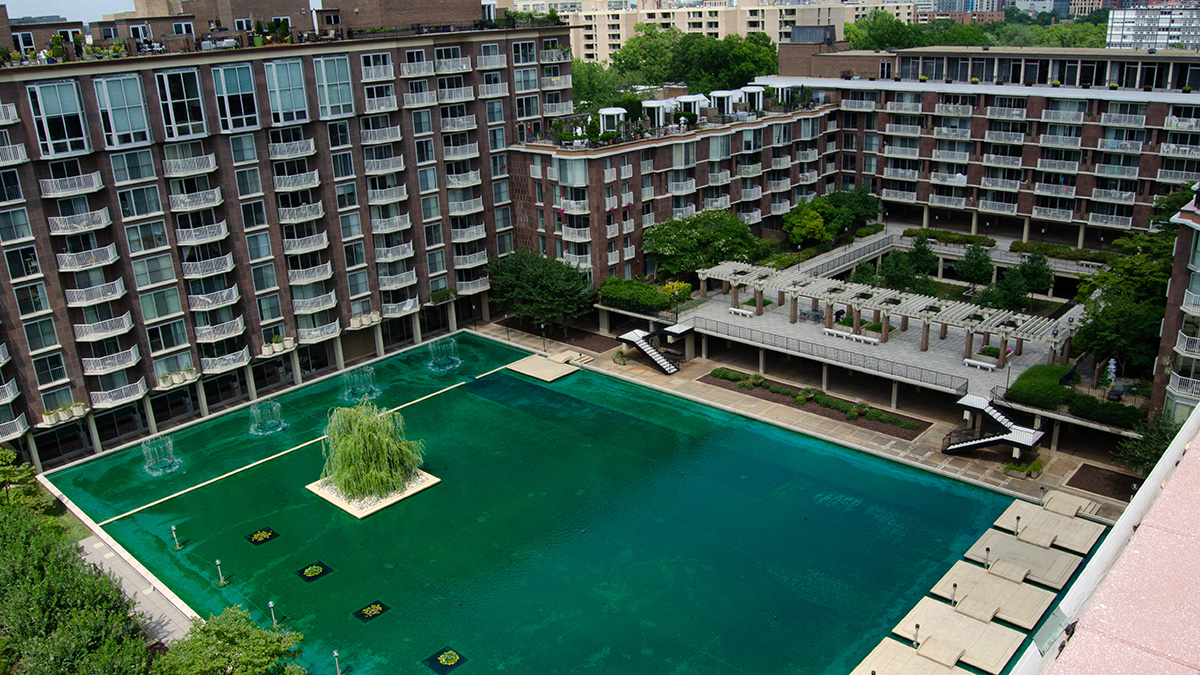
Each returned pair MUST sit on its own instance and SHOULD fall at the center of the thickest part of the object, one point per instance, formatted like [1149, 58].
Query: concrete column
[1050, 355]
[93, 432]
[253, 390]
[338, 357]
[733, 296]
[970, 345]
[1020, 347]
[876, 319]
[1066, 351]
[924, 336]
[1025, 230]
[825, 377]
[378, 331]
[725, 286]
[1082, 230]
[857, 320]
[903, 323]
[604, 317]
[793, 311]
[150, 422]
[203, 397]
[689, 346]
[297, 377]
[975, 222]
[886, 327]
[780, 299]
[895, 394]
[34, 458]
[829, 315]
[452, 316]
[703, 288]
[704, 346]
[995, 273]
[987, 339]
[762, 361]
[1054, 435]
[758, 302]
[1003, 351]
[945, 330]
[653, 327]
[816, 304]
[925, 217]
[485, 311]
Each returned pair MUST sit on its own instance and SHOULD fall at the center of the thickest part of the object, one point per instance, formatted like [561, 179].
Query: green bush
[801, 400]
[909, 424]
[634, 296]
[1039, 387]
[1115, 414]
[993, 352]
[949, 237]
[619, 358]
[751, 303]
[745, 384]
[868, 230]
[1062, 252]
[727, 374]
[757, 380]
[852, 415]
[837, 404]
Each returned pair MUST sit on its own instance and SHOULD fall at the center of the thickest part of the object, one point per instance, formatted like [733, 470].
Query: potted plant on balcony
[277, 343]
[189, 374]
[177, 377]
[923, 78]
[974, 80]
[49, 417]
[1187, 89]
[1056, 84]
[164, 380]
[356, 322]
[376, 317]
[77, 409]
[289, 342]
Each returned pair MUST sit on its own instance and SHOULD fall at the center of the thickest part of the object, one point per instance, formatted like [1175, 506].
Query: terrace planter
[177, 378]
[77, 409]
[288, 342]
[1015, 473]
[50, 417]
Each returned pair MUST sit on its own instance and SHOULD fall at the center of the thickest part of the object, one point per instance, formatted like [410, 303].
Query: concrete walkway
[164, 621]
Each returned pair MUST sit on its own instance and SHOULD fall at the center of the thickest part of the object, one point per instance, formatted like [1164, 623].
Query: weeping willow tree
[366, 453]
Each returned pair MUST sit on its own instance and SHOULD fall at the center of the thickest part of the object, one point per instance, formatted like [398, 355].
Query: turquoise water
[588, 525]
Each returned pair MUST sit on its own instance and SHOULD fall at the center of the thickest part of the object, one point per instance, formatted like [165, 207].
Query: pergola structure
[886, 303]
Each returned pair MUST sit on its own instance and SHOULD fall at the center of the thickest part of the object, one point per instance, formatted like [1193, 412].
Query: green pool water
[587, 525]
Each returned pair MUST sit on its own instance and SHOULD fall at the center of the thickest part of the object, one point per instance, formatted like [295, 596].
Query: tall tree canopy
[654, 56]
[230, 643]
[880, 30]
[529, 285]
[683, 245]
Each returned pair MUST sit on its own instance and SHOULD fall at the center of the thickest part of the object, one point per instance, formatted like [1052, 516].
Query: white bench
[865, 339]
[979, 364]
[741, 312]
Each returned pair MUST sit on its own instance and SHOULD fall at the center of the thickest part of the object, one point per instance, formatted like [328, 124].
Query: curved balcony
[387, 195]
[195, 236]
[207, 268]
[384, 135]
[112, 363]
[308, 336]
[751, 217]
[1045, 213]
[388, 225]
[990, 206]
[378, 104]
[557, 109]
[375, 167]
[14, 429]
[4, 356]
[463, 180]
[576, 207]
[465, 207]
[719, 178]
[394, 282]
[1191, 303]
[493, 90]
[309, 244]
[84, 297]
[466, 151]
[1054, 190]
[394, 310]
[1184, 385]
[91, 332]
[684, 212]
[190, 166]
[471, 260]
[215, 300]
[488, 61]
[752, 194]
[313, 305]
[781, 163]
[582, 261]
[1107, 220]
[456, 65]
[309, 275]
[579, 235]
[11, 155]
[53, 188]
[455, 95]
[393, 253]
[780, 208]
[205, 199]
[9, 392]
[472, 287]
[779, 185]
[103, 400]
[749, 170]
[302, 213]
[221, 364]
[300, 181]
[86, 260]
[291, 149]
[682, 187]
[462, 235]
[379, 73]
[463, 123]
[80, 222]
[418, 69]
[221, 331]
[721, 202]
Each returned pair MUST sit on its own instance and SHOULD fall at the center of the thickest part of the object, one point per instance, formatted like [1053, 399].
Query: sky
[81, 10]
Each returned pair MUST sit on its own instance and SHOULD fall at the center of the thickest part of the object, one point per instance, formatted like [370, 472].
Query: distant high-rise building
[1156, 27]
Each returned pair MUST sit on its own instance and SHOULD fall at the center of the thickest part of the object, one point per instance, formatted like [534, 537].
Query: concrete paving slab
[896, 658]
[1040, 524]
[1048, 567]
[163, 620]
[542, 368]
[1019, 604]
[986, 646]
[1068, 505]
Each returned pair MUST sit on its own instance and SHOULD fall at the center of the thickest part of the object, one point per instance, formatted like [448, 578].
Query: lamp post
[507, 336]
[271, 606]
[175, 537]
[337, 664]
[543, 327]
[220, 576]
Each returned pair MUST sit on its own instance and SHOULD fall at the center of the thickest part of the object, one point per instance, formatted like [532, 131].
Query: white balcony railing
[394, 310]
[751, 217]
[470, 260]
[221, 331]
[221, 364]
[577, 234]
[779, 185]
[13, 154]
[103, 400]
[901, 151]
[460, 64]
[493, 90]
[903, 129]
[387, 195]
[9, 392]
[374, 167]
[553, 56]
[852, 104]
[630, 253]
[394, 282]
[1114, 145]
[952, 132]
[997, 207]
[683, 187]
[1117, 170]
[207, 268]
[752, 194]
[8, 113]
[71, 185]
[1005, 184]
[13, 428]
[309, 275]
[392, 224]
[84, 297]
[958, 179]
[900, 174]
[378, 104]
[378, 73]
[627, 171]
[299, 181]
[418, 69]
[420, 99]
[113, 362]
[308, 336]
[1058, 165]
[647, 220]
[1046, 213]
[904, 107]
[1169, 176]
[291, 149]
[189, 166]
[719, 178]
[684, 212]
[302, 213]
[557, 82]
[462, 235]
[455, 95]
[90, 332]
[1011, 137]
[1054, 190]
[473, 286]
[627, 226]
[317, 304]
[1185, 385]
[1117, 196]
[203, 302]
[195, 236]
[998, 113]
[899, 195]
[464, 151]
[1066, 116]
[309, 244]
[806, 177]
[948, 201]
[1002, 160]
[86, 260]
[464, 207]
[780, 208]
[953, 109]
[383, 135]
[460, 123]
[611, 230]
[393, 253]
[1109, 220]
[647, 193]
[491, 61]
[951, 156]
[205, 199]
[721, 202]
[749, 170]
[1057, 141]
[1191, 302]
[578, 260]
[556, 109]
[80, 222]
[577, 207]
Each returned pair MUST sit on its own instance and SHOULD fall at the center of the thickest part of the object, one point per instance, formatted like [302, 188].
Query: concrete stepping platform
[1043, 527]
[1046, 566]
[896, 658]
[569, 355]
[541, 367]
[987, 594]
[946, 634]
[1068, 505]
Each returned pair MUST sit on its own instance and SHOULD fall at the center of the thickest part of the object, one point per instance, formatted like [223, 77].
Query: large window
[58, 118]
[14, 225]
[527, 106]
[22, 262]
[122, 110]
[243, 149]
[146, 236]
[237, 108]
[150, 271]
[160, 304]
[524, 52]
[167, 336]
[264, 277]
[40, 334]
[32, 299]
[183, 112]
[258, 245]
[49, 369]
[132, 166]
[248, 182]
[334, 95]
[139, 202]
[285, 91]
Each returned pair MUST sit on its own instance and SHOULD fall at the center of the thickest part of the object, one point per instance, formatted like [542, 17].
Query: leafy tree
[842, 210]
[647, 56]
[923, 258]
[594, 86]
[881, 30]
[681, 246]
[543, 290]
[976, 266]
[1142, 268]
[1098, 17]
[21, 491]
[1141, 454]
[1012, 291]
[1014, 15]
[366, 453]
[897, 271]
[864, 273]
[1118, 324]
[804, 224]
[230, 643]
[1166, 206]
[1036, 272]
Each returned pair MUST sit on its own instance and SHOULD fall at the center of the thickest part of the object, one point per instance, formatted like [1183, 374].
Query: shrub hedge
[1039, 387]
[1106, 412]
[868, 230]
[949, 237]
[1062, 252]
[851, 410]
[634, 296]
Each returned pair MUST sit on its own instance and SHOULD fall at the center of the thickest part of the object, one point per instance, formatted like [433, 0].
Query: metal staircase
[640, 339]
